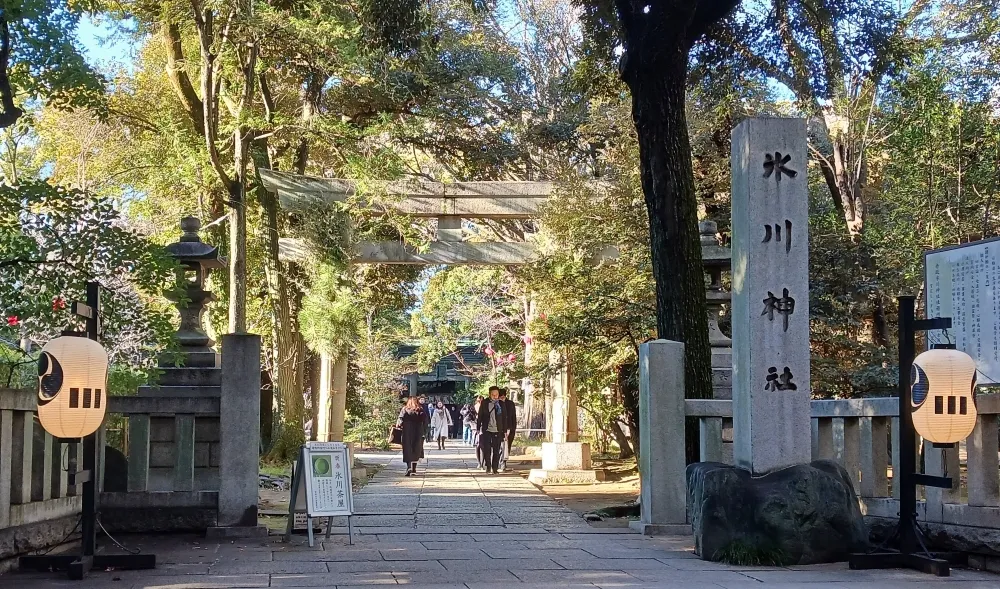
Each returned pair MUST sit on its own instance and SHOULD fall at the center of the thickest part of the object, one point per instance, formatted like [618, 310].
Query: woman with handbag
[441, 422]
[411, 421]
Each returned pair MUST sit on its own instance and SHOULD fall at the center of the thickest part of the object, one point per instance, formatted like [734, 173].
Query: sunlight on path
[454, 527]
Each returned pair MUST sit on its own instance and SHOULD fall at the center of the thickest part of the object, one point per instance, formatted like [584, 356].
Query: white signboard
[963, 282]
[327, 472]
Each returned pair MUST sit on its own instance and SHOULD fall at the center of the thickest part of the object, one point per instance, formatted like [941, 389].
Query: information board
[327, 471]
[963, 282]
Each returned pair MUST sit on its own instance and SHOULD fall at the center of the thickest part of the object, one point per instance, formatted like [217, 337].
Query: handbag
[395, 435]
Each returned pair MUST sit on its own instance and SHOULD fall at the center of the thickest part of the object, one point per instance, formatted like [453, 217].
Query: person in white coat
[441, 423]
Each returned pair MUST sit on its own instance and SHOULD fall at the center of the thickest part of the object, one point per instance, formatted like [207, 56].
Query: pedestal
[566, 463]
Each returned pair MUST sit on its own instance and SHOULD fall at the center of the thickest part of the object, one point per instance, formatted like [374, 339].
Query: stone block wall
[162, 450]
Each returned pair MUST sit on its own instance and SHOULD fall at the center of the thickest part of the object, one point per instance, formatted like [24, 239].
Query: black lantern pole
[78, 565]
[907, 532]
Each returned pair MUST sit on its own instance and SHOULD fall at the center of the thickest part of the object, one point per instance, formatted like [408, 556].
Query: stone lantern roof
[190, 248]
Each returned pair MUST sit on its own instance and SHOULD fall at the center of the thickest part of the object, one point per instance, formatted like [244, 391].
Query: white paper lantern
[943, 384]
[72, 386]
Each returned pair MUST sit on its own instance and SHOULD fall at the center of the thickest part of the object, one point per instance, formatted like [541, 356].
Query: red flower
[12, 321]
[489, 351]
[58, 303]
[542, 316]
[510, 358]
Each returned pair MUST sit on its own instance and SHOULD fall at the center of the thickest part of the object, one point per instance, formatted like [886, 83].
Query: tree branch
[10, 112]
[179, 79]
[707, 13]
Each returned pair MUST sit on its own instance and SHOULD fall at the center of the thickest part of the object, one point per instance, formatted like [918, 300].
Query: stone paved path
[453, 527]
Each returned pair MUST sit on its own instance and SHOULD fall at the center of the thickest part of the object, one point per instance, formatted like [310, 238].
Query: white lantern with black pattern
[72, 386]
[943, 385]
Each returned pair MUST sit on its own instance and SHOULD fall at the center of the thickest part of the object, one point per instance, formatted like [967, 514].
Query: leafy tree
[656, 39]
[39, 57]
[53, 241]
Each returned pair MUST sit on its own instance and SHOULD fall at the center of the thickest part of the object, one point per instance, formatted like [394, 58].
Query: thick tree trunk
[658, 110]
[621, 438]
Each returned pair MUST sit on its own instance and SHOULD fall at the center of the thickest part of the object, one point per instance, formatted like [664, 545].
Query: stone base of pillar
[540, 476]
[565, 462]
[236, 532]
[661, 529]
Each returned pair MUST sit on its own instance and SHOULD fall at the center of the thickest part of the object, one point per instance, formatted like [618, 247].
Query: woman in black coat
[412, 419]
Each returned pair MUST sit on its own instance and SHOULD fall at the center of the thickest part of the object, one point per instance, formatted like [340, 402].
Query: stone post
[662, 476]
[412, 380]
[239, 433]
[770, 294]
[564, 459]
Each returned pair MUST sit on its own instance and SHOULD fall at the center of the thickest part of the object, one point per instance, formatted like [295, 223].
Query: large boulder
[803, 514]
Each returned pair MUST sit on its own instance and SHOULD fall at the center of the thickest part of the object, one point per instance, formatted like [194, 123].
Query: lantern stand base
[77, 566]
[933, 563]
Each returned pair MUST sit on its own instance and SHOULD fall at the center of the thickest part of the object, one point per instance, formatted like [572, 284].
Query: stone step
[180, 391]
[191, 377]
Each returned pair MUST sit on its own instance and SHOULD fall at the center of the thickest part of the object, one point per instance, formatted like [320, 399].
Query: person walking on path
[468, 423]
[510, 426]
[427, 416]
[491, 429]
[441, 423]
[412, 418]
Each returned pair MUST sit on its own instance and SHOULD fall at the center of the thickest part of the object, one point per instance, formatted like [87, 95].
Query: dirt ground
[620, 488]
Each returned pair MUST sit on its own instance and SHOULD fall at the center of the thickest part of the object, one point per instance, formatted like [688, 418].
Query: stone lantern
[196, 259]
[716, 260]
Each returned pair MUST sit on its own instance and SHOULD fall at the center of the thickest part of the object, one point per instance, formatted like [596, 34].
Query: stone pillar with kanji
[770, 313]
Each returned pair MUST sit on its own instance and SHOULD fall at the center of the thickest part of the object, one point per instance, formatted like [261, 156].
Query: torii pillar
[565, 459]
[332, 398]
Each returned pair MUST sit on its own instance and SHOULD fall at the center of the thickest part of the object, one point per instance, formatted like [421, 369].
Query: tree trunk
[627, 377]
[287, 357]
[616, 430]
[845, 182]
[658, 110]
[238, 239]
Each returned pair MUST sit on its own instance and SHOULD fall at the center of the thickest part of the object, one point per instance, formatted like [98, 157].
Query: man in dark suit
[490, 423]
[510, 426]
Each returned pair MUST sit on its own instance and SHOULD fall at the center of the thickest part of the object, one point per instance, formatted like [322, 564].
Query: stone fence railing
[863, 436]
[37, 506]
[190, 463]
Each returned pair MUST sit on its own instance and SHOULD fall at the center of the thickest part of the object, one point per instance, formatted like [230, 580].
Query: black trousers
[491, 449]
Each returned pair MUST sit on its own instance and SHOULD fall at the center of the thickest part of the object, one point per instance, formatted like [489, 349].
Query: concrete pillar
[338, 400]
[770, 311]
[662, 466]
[239, 437]
[564, 459]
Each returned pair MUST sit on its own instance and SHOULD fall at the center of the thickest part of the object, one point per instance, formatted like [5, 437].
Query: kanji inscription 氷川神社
[770, 301]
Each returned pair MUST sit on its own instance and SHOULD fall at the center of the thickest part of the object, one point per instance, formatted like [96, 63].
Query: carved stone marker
[770, 295]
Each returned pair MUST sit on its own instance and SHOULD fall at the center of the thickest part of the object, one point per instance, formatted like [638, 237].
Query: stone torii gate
[564, 458]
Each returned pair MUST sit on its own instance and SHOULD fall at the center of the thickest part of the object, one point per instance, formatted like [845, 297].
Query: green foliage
[376, 390]
[45, 61]
[742, 553]
[52, 241]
